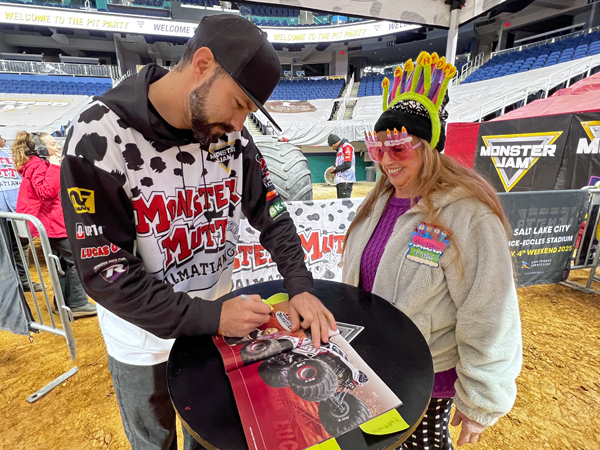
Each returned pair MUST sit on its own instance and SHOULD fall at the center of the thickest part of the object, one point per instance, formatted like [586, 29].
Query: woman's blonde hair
[438, 174]
[22, 148]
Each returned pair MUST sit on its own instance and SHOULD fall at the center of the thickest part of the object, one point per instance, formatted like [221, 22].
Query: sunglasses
[399, 146]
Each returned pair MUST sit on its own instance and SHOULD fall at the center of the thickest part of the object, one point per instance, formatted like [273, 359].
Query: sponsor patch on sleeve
[82, 200]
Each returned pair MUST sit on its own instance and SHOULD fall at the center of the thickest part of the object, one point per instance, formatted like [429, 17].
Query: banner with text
[539, 153]
[104, 21]
[544, 227]
[321, 225]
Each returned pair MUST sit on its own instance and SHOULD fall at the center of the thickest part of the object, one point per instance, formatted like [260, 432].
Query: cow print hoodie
[153, 220]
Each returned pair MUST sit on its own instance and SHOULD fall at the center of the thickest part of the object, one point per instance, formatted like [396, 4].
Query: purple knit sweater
[443, 386]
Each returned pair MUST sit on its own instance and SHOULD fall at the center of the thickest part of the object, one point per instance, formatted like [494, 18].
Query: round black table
[390, 343]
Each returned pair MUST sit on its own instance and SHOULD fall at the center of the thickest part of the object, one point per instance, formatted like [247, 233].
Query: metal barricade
[588, 252]
[20, 229]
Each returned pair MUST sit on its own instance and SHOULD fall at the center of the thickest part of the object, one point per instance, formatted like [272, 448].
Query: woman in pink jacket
[39, 195]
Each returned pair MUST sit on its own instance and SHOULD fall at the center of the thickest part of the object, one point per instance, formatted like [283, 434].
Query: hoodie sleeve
[488, 326]
[100, 224]
[266, 212]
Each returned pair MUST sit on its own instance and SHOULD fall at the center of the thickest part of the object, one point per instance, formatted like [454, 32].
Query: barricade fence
[587, 255]
[16, 314]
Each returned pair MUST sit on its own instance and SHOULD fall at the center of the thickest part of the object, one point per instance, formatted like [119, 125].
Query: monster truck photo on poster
[277, 374]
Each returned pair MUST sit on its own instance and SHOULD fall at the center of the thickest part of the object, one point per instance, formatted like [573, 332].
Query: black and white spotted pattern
[318, 223]
[156, 171]
[433, 433]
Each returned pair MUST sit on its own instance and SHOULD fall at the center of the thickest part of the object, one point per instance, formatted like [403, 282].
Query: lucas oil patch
[427, 245]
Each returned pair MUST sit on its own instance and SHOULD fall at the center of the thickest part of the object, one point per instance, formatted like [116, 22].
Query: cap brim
[259, 105]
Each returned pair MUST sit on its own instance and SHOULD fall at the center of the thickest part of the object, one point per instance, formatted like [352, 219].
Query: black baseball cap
[245, 53]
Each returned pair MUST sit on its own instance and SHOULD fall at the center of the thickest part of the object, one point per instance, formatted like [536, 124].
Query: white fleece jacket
[470, 321]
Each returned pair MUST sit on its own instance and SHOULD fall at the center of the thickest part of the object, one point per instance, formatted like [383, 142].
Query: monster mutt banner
[539, 153]
[321, 225]
[544, 230]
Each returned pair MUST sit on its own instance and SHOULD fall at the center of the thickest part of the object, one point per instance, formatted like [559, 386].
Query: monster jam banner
[545, 227]
[539, 153]
[322, 226]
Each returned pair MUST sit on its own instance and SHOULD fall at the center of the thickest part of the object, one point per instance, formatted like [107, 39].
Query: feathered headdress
[425, 84]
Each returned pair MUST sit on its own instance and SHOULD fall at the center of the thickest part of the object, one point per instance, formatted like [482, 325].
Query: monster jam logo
[514, 154]
[592, 129]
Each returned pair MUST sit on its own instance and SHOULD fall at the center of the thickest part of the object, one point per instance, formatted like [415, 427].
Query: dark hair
[193, 45]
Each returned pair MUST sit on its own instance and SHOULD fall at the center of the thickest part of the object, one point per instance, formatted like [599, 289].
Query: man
[10, 181]
[344, 166]
[156, 176]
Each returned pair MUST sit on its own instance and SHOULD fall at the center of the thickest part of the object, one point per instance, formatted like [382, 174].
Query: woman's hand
[471, 430]
[54, 159]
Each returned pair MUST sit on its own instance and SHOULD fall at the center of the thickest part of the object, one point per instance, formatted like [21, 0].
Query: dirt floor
[558, 405]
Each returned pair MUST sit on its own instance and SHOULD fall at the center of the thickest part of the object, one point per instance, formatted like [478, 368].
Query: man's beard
[203, 129]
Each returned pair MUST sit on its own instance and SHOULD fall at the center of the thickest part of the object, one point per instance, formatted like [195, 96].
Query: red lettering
[312, 245]
[231, 183]
[221, 224]
[114, 248]
[245, 250]
[259, 258]
[340, 242]
[326, 247]
[220, 199]
[184, 203]
[202, 191]
[147, 213]
[288, 445]
[178, 240]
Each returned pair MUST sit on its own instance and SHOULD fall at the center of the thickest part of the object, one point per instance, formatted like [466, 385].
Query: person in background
[10, 181]
[39, 195]
[344, 169]
[431, 238]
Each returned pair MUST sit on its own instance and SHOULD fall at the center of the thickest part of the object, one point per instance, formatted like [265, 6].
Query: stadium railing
[48, 68]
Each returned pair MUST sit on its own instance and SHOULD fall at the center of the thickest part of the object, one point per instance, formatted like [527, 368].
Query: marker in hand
[245, 297]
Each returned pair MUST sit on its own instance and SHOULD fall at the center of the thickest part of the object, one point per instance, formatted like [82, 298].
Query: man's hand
[471, 430]
[240, 316]
[331, 170]
[314, 315]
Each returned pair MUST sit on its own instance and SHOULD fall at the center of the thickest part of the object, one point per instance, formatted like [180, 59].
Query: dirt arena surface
[558, 405]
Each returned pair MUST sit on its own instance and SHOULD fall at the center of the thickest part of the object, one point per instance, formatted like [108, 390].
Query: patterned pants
[433, 432]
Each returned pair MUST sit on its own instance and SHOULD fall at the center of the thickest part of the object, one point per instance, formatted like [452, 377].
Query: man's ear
[202, 64]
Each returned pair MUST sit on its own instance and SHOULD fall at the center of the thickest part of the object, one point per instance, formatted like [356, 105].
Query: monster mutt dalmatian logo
[194, 220]
[514, 154]
[591, 146]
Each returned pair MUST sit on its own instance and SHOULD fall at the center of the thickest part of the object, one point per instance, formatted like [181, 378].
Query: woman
[431, 239]
[39, 195]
